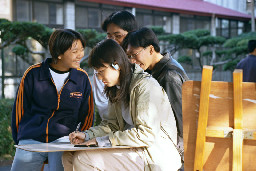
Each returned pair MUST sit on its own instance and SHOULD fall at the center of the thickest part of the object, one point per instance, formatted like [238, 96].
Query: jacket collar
[160, 65]
[251, 56]
[137, 76]
[45, 72]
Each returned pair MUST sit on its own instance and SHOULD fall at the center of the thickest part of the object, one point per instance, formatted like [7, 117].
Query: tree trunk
[199, 59]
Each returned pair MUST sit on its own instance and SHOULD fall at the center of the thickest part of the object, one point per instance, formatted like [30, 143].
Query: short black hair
[123, 19]
[251, 45]
[61, 40]
[143, 37]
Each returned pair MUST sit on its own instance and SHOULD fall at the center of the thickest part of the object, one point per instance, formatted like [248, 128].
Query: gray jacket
[153, 120]
[170, 75]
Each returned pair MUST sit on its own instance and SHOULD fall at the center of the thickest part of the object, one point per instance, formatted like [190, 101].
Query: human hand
[91, 142]
[76, 137]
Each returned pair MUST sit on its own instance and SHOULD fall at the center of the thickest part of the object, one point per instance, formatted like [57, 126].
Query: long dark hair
[110, 52]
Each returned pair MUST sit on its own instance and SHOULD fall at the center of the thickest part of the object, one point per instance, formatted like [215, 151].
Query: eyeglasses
[116, 37]
[134, 55]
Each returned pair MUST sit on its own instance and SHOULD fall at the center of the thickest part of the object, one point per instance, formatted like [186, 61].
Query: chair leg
[42, 169]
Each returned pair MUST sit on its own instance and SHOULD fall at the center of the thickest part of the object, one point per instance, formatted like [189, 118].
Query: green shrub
[6, 142]
[185, 60]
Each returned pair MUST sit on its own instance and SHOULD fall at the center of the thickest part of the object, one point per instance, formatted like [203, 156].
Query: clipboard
[63, 146]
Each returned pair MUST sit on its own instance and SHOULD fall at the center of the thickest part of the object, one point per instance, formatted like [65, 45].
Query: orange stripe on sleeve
[89, 118]
[19, 99]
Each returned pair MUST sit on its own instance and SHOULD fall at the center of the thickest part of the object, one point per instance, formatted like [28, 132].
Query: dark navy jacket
[248, 65]
[41, 113]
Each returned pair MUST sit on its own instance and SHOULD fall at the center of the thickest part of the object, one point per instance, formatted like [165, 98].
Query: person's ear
[151, 49]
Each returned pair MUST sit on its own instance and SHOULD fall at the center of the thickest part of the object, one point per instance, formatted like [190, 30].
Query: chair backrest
[218, 147]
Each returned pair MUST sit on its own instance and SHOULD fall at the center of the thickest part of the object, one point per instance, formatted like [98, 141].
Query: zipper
[58, 94]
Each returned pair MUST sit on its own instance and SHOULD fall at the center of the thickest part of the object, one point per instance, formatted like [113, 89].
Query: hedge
[6, 143]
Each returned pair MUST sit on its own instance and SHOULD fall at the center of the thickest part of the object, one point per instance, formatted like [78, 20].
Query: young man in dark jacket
[143, 49]
[248, 64]
[52, 99]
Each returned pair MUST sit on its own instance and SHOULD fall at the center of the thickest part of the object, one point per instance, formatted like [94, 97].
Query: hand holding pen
[77, 137]
[78, 126]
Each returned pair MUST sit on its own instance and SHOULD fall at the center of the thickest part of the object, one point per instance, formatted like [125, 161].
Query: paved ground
[5, 165]
[5, 168]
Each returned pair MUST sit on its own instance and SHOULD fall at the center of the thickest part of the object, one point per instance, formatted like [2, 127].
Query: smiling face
[108, 75]
[140, 56]
[116, 33]
[71, 58]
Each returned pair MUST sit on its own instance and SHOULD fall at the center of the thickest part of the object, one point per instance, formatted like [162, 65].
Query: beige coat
[153, 120]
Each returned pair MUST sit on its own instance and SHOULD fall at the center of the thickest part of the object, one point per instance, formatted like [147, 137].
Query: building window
[22, 11]
[94, 18]
[148, 20]
[218, 27]
[240, 27]
[41, 12]
[56, 14]
[233, 28]
[159, 21]
[202, 22]
[81, 17]
[52, 13]
[59, 16]
[167, 24]
[144, 20]
[92, 15]
[225, 28]
[48, 13]
[106, 13]
[187, 23]
[139, 18]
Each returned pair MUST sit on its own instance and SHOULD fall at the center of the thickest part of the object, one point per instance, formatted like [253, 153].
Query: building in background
[227, 18]
[223, 17]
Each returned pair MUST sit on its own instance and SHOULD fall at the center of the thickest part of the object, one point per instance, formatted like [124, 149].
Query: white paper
[63, 139]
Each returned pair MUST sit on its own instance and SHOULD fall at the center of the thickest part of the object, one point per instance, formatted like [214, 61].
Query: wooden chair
[45, 162]
[219, 124]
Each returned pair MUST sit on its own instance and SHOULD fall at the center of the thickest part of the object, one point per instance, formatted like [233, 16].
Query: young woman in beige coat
[139, 115]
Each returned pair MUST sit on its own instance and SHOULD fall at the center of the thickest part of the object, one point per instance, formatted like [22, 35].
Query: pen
[78, 126]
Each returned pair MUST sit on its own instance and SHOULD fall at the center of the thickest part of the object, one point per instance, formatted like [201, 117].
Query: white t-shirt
[59, 78]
